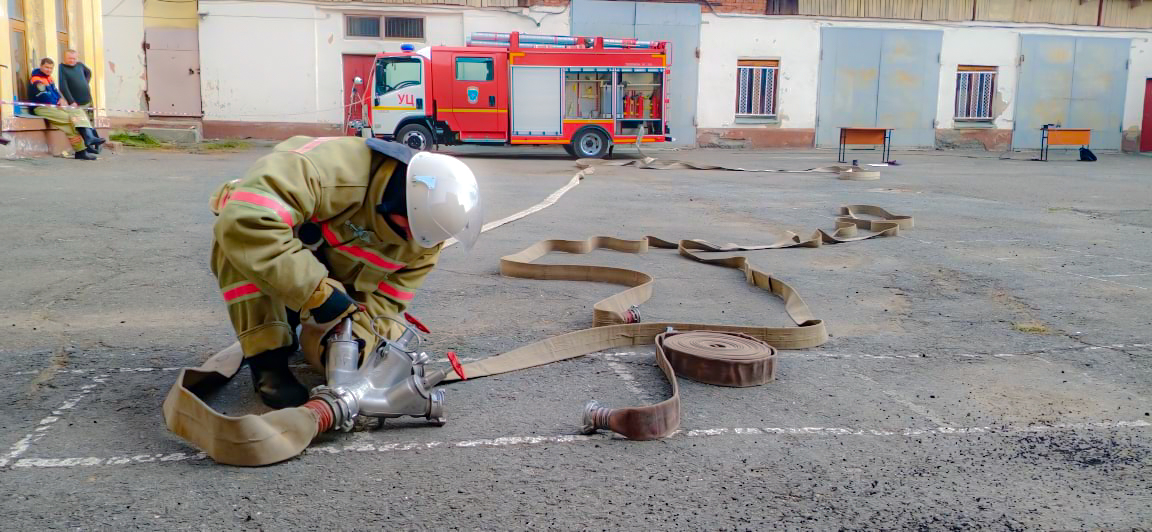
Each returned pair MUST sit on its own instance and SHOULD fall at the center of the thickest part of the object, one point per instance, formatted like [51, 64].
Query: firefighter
[326, 228]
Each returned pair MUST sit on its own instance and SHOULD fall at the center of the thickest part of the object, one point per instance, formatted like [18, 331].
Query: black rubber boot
[274, 382]
[91, 139]
[84, 155]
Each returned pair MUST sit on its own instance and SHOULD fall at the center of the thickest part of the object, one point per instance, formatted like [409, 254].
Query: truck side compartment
[583, 93]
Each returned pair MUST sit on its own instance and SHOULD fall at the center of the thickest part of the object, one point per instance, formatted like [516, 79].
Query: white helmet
[443, 200]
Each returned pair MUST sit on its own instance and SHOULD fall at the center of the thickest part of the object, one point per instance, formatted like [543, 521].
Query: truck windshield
[394, 73]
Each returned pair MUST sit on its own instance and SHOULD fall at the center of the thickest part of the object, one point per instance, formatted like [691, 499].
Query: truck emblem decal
[473, 94]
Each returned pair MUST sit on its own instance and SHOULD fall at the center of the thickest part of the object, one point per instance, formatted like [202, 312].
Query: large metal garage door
[879, 78]
[1077, 82]
[677, 23]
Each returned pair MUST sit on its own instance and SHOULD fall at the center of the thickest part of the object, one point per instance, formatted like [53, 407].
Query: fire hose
[393, 382]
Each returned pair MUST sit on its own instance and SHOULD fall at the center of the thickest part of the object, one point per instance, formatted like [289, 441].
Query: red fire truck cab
[583, 93]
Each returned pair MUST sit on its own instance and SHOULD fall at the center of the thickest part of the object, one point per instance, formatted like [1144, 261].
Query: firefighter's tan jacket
[336, 184]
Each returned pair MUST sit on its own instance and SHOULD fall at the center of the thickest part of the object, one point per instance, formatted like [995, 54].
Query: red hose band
[323, 414]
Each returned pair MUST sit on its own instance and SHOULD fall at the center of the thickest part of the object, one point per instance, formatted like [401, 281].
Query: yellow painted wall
[5, 59]
[169, 14]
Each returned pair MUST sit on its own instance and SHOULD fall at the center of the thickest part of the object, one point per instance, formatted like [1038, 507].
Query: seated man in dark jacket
[73, 122]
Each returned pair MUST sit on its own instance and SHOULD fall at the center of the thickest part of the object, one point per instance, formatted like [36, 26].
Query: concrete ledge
[755, 137]
[31, 137]
[220, 129]
[989, 139]
[173, 134]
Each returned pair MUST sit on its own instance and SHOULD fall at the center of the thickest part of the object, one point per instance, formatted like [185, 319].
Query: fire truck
[586, 94]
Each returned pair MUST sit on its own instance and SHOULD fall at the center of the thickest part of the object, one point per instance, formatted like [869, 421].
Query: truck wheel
[590, 144]
[568, 149]
[415, 136]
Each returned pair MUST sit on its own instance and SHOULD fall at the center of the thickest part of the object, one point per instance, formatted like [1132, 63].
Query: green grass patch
[229, 144]
[136, 140]
[1031, 328]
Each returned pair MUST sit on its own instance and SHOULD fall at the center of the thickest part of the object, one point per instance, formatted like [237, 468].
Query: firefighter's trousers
[66, 120]
[263, 323]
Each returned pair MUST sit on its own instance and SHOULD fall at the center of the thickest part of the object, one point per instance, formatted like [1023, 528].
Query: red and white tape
[107, 109]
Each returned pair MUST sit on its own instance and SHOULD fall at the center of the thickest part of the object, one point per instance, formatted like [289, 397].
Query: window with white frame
[368, 26]
[756, 82]
[975, 87]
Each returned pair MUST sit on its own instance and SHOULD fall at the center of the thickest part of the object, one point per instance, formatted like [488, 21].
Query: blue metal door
[849, 73]
[1076, 82]
[879, 78]
[909, 80]
[678, 24]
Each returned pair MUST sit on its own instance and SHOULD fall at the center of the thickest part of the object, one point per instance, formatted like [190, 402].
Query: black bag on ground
[1087, 155]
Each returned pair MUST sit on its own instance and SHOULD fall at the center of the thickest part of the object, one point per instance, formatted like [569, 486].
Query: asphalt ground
[987, 369]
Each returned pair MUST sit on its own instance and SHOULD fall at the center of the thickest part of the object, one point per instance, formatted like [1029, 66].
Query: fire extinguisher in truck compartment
[585, 94]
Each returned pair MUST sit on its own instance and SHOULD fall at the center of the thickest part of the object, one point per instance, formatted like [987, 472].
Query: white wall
[124, 75]
[795, 41]
[723, 40]
[258, 61]
[538, 20]
[982, 47]
[294, 51]
[1139, 71]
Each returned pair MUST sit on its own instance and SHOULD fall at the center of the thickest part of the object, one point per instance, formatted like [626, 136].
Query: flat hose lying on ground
[615, 318]
[847, 172]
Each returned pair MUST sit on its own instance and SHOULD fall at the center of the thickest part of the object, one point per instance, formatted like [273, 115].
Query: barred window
[975, 87]
[756, 88]
[361, 26]
[404, 27]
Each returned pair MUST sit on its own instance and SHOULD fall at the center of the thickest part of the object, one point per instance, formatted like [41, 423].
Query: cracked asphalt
[988, 369]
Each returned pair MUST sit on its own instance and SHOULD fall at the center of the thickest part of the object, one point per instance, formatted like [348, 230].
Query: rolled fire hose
[252, 440]
[711, 357]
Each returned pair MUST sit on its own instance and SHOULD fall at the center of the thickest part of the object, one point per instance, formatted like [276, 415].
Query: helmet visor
[471, 232]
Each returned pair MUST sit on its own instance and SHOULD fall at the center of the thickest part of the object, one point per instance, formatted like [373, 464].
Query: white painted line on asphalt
[1125, 275]
[899, 399]
[1030, 258]
[1086, 254]
[621, 370]
[1056, 248]
[1105, 280]
[25, 443]
[525, 441]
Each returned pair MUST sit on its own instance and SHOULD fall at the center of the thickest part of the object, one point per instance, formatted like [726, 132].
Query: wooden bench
[876, 136]
[1063, 136]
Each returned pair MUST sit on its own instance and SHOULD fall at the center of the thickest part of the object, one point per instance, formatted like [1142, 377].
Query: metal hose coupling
[343, 405]
[595, 417]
